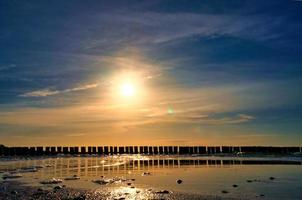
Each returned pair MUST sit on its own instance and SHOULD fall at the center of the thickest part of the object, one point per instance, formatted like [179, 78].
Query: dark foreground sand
[13, 190]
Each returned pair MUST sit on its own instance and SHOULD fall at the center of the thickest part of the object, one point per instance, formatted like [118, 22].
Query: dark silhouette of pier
[146, 150]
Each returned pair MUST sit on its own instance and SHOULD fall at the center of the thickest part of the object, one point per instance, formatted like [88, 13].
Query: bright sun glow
[127, 89]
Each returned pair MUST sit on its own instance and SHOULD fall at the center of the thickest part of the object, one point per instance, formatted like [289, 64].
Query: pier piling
[147, 150]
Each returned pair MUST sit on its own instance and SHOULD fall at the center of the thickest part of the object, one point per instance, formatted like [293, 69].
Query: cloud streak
[48, 92]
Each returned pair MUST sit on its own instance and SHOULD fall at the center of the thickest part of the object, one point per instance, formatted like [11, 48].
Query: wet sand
[14, 190]
[148, 177]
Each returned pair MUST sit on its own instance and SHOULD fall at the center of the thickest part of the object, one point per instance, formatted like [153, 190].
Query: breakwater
[148, 150]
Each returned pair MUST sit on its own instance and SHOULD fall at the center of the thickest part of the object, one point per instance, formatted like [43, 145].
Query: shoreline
[16, 190]
[150, 177]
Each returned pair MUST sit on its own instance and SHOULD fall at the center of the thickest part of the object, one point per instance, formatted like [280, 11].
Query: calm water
[200, 175]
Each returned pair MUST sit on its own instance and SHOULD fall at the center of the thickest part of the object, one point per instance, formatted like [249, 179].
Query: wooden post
[12, 151]
[136, 149]
[47, 150]
[145, 150]
[141, 150]
[225, 149]
[170, 150]
[236, 149]
[1, 150]
[155, 150]
[115, 150]
[71, 150]
[121, 150]
[150, 150]
[181, 150]
[18, 151]
[106, 150]
[161, 150]
[6, 151]
[131, 150]
[165, 150]
[53, 150]
[59, 150]
[127, 149]
[210, 150]
[202, 150]
[191, 150]
[175, 150]
[195, 150]
[94, 150]
[100, 150]
[187, 150]
[293, 149]
[89, 150]
[83, 150]
[32, 151]
[76, 150]
[217, 150]
[40, 151]
[65, 150]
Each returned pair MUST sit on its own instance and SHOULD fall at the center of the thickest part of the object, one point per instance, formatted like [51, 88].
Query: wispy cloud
[49, 92]
[156, 28]
[6, 67]
[76, 135]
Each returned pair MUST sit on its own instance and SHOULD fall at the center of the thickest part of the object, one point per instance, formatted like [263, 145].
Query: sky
[208, 72]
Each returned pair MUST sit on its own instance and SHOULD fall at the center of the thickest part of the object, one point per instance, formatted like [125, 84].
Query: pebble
[249, 181]
[14, 192]
[163, 192]
[79, 198]
[235, 185]
[28, 169]
[272, 178]
[52, 181]
[103, 181]
[74, 177]
[224, 192]
[11, 175]
[146, 174]
[179, 181]
[58, 187]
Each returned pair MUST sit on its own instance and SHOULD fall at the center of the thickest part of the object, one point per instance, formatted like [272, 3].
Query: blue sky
[229, 70]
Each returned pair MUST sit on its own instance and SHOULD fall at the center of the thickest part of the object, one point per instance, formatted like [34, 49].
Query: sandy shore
[14, 190]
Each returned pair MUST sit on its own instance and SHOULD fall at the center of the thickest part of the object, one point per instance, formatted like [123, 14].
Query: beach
[151, 177]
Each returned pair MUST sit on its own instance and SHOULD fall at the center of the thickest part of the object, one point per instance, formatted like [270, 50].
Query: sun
[127, 89]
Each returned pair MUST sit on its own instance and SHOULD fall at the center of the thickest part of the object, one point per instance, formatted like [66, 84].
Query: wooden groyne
[147, 150]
